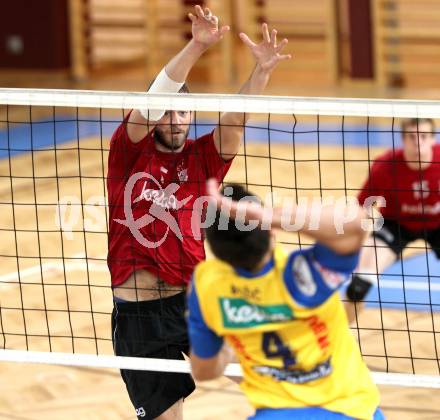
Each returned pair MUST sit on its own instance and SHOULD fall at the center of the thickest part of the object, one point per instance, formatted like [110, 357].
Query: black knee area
[358, 288]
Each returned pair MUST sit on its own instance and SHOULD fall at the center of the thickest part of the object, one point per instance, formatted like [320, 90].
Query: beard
[169, 141]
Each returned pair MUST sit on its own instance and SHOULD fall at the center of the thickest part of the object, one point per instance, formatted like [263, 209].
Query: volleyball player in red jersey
[409, 181]
[155, 177]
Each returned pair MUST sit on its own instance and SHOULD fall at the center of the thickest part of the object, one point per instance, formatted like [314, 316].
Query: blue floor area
[303, 133]
[45, 134]
[26, 137]
[412, 283]
[349, 135]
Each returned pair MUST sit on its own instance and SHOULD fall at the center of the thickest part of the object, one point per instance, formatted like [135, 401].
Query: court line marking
[51, 269]
[409, 285]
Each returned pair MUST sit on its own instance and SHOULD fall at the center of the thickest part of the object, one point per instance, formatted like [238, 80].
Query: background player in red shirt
[155, 177]
[409, 181]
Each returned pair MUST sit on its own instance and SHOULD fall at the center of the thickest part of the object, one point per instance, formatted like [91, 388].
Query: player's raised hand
[205, 29]
[268, 52]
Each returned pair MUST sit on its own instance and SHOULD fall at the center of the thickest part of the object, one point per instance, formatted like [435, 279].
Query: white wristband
[162, 84]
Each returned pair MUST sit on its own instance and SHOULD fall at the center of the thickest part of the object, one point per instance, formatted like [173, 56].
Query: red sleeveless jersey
[412, 196]
[155, 206]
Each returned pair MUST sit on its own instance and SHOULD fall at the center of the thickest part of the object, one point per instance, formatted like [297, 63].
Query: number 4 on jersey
[274, 347]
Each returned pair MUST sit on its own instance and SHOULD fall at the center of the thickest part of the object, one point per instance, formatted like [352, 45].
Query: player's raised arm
[267, 54]
[205, 33]
[340, 226]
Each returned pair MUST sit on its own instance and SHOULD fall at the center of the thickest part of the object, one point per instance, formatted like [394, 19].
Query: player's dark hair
[415, 122]
[184, 89]
[241, 249]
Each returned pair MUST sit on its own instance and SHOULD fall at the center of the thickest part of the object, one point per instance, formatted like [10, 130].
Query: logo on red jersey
[162, 201]
[420, 189]
[164, 171]
[183, 175]
[182, 172]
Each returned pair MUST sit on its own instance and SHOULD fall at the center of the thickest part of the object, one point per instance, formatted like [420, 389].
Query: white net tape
[223, 103]
[180, 366]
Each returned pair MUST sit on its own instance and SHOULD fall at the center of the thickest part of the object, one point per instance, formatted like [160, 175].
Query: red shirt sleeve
[214, 165]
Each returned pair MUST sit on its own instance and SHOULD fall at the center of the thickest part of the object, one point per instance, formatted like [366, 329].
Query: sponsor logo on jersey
[296, 376]
[422, 209]
[421, 189]
[246, 292]
[303, 276]
[162, 200]
[239, 313]
[331, 278]
[320, 329]
[182, 172]
[140, 412]
[183, 175]
[239, 347]
[162, 197]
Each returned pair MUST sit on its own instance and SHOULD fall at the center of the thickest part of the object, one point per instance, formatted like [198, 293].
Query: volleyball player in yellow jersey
[281, 313]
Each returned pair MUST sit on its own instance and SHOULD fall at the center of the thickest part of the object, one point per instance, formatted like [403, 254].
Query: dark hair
[415, 122]
[241, 249]
[184, 88]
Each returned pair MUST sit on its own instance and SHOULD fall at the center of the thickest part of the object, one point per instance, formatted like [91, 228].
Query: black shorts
[398, 237]
[155, 329]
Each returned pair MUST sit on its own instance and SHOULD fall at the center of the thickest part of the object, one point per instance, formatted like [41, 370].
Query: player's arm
[371, 188]
[209, 355]
[207, 369]
[339, 227]
[369, 195]
[228, 135]
[205, 33]
[343, 226]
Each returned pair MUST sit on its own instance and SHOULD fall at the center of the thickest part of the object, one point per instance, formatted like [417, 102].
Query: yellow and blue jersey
[289, 330]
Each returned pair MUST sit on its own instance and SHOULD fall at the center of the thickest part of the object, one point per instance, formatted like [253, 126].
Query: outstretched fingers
[265, 31]
[205, 26]
[274, 38]
[284, 57]
[281, 45]
[247, 40]
[199, 11]
[224, 29]
[208, 13]
[192, 18]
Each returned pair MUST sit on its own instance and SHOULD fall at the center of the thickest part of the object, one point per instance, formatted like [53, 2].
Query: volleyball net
[55, 294]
